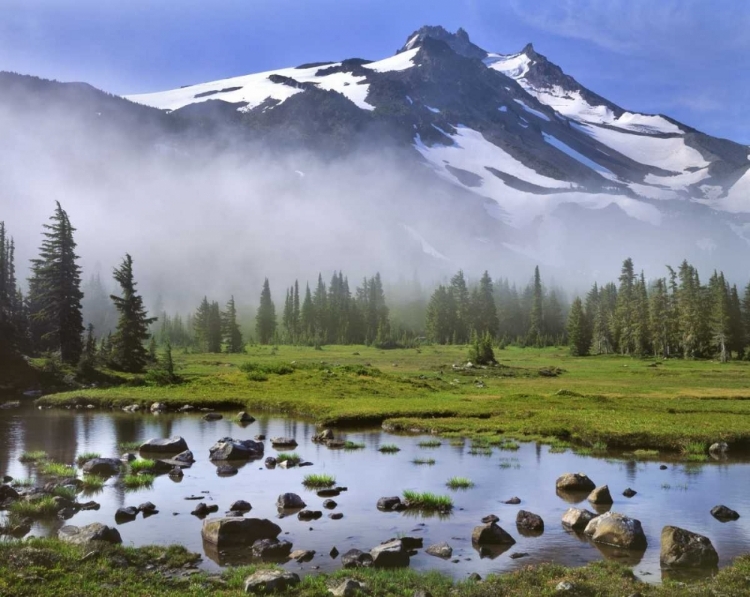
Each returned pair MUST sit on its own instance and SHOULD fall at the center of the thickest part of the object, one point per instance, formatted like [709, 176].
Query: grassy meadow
[533, 393]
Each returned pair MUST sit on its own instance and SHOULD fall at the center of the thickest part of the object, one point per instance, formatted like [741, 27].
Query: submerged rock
[89, 534]
[601, 495]
[227, 532]
[243, 417]
[271, 549]
[440, 550]
[684, 549]
[226, 470]
[213, 416]
[355, 558]
[172, 445]
[390, 554]
[629, 493]
[102, 466]
[529, 522]
[290, 501]
[618, 530]
[577, 518]
[234, 449]
[283, 442]
[270, 581]
[724, 514]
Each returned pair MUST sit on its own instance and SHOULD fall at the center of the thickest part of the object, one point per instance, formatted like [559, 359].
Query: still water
[682, 495]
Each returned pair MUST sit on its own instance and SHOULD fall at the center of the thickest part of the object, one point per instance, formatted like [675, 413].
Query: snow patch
[503, 108]
[514, 66]
[433, 110]
[536, 113]
[566, 149]
[401, 61]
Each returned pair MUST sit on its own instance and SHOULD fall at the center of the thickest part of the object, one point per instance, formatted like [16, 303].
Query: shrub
[480, 351]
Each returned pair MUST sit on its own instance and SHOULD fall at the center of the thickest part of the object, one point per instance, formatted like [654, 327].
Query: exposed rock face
[618, 530]
[234, 449]
[102, 466]
[290, 501]
[270, 581]
[390, 554]
[683, 549]
[529, 522]
[89, 534]
[389, 503]
[272, 549]
[577, 519]
[440, 550]
[172, 445]
[227, 532]
[491, 534]
[355, 558]
[574, 482]
[601, 495]
[724, 514]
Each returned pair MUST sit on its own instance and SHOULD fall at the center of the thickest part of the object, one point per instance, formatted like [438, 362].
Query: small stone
[355, 558]
[213, 416]
[241, 506]
[147, 508]
[302, 555]
[663, 467]
[514, 501]
[329, 504]
[308, 515]
[226, 470]
[125, 514]
[529, 522]
[724, 514]
[577, 519]
[629, 493]
[389, 503]
[474, 577]
[271, 549]
[289, 501]
[269, 581]
[601, 495]
[348, 588]
[334, 552]
[243, 417]
[440, 550]
[490, 518]
[574, 482]
[517, 555]
[336, 516]
[565, 586]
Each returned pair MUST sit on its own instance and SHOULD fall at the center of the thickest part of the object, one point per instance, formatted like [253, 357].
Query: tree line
[672, 316]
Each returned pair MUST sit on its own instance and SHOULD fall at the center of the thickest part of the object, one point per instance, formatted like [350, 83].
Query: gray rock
[128, 457]
[89, 534]
[283, 442]
[185, 408]
[272, 549]
[176, 473]
[410, 543]
[270, 581]
[491, 534]
[440, 550]
[226, 470]
[565, 586]
[724, 514]
[336, 516]
[334, 552]
[323, 436]
[290, 501]
[574, 482]
[232, 449]
[246, 418]
[308, 515]
[355, 558]
[474, 577]
[302, 555]
[147, 508]
[390, 555]
[202, 510]
[172, 445]
[228, 532]
[618, 530]
[8, 493]
[348, 588]
[271, 462]
[389, 503]
[91, 505]
[577, 519]
[126, 514]
[102, 466]
[683, 549]
[329, 504]
[530, 522]
[629, 493]
[601, 495]
[213, 416]
[513, 501]
[241, 506]
[490, 518]
[158, 407]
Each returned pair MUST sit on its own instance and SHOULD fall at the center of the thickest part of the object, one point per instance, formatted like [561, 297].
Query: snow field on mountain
[514, 66]
[536, 113]
[559, 145]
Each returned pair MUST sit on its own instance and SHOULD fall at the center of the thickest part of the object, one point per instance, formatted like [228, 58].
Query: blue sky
[689, 59]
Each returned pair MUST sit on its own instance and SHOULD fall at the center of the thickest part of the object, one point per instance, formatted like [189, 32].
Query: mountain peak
[459, 41]
[528, 49]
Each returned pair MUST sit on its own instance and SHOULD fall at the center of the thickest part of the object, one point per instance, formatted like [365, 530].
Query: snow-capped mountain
[555, 169]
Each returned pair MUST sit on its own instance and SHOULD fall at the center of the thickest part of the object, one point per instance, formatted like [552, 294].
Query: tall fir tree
[536, 315]
[265, 319]
[484, 309]
[55, 291]
[231, 329]
[579, 338]
[625, 320]
[213, 334]
[128, 350]
[200, 325]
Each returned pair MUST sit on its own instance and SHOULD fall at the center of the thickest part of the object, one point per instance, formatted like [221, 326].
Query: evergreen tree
[579, 338]
[625, 320]
[98, 309]
[296, 313]
[736, 326]
[213, 330]
[462, 320]
[659, 314]
[87, 362]
[9, 306]
[483, 306]
[55, 291]
[128, 351]
[231, 330]
[200, 325]
[719, 315]
[553, 316]
[307, 317]
[441, 313]
[536, 320]
[642, 324]
[265, 320]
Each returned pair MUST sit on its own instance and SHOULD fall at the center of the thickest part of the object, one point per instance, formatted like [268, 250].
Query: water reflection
[681, 495]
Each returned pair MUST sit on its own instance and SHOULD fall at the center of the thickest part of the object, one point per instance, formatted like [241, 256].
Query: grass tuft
[129, 446]
[389, 449]
[68, 493]
[291, 457]
[138, 481]
[83, 458]
[56, 469]
[144, 464]
[428, 461]
[349, 445]
[22, 483]
[460, 483]
[319, 481]
[430, 443]
[34, 456]
[39, 508]
[427, 501]
[92, 483]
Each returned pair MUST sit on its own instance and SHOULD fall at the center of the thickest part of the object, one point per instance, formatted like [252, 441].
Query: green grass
[599, 447]
[460, 483]
[33, 456]
[509, 446]
[56, 469]
[138, 481]
[60, 569]
[616, 399]
[428, 461]
[319, 481]
[457, 443]
[349, 445]
[92, 483]
[83, 458]
[430, 443]
[389, 449]
[22, 483]
[129, 446]
[291, 457]
[43, 507]
[480, 451]
[645, 454]
[557, 449]
[68, 493]
[695, 451]
[142, 464]
[427, 501]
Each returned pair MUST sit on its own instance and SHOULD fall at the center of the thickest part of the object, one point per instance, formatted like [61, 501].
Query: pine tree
[55, 291]
[642, 328]
[200, 325]
[553, 316]
[736, 326]
[579, 338]
[213, 329]
[483, 306]
[536, 323]
[463, 315]
[87, 362]
[128, 351]
[296, 312]
[307, 317]
[265, 320]
[625, 310]
[719, 315]
[659, 314]
[231, 330]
